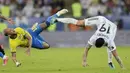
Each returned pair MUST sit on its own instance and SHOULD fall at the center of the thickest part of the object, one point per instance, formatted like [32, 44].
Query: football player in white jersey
[104, 36]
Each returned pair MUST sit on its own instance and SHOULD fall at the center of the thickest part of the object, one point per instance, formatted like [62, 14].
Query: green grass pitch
[65, 60]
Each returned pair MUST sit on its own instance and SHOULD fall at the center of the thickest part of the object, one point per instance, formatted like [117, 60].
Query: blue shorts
[37, 40]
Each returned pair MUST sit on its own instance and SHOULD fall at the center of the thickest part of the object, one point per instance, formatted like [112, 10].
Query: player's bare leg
[51, 20]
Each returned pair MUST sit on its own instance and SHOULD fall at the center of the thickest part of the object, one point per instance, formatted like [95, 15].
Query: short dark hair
[5, 34]
[99, 42]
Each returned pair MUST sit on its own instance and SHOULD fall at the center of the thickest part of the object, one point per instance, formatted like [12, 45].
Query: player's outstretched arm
[9, 20]
[29, 43]
[14, 59]
[67, 20]
[118, 58]
[85, 54]
[85, 22]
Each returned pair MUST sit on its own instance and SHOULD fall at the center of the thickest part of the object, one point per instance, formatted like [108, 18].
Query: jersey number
[103, 29]
[34, 27]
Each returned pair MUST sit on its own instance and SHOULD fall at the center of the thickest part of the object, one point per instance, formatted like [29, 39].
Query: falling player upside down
[104, 36]
[30, 37]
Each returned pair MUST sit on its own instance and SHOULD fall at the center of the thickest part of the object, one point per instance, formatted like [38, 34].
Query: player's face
[10, 31]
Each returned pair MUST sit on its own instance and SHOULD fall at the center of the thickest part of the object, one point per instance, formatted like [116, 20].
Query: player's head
[9, 31]
[99, 42]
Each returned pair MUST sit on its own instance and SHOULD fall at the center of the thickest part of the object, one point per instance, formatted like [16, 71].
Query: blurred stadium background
[68, 60]
[26, 12]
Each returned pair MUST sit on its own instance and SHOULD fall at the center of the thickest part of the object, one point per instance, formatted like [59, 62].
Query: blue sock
[1, 55]
[51, 20]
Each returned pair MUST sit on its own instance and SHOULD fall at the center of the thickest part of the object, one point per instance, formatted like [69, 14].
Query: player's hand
[28, 51]
[84, 64]
[123, 68]
[18, 64]
[10, 21]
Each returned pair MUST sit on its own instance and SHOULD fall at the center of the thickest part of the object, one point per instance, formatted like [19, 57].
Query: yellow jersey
[20, 40]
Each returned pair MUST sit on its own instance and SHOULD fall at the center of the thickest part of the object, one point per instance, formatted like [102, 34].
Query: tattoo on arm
[93, 18]
[88, 46]
[119, 61]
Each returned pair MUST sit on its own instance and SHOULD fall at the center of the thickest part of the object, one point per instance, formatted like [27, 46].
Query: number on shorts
[34, 27]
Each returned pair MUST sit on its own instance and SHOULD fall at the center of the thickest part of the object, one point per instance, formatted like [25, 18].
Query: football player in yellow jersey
[30, 37]
[2, 52]
[18, 37]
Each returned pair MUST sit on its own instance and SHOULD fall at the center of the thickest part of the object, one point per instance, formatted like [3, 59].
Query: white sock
[67, 20]
[109, 56]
